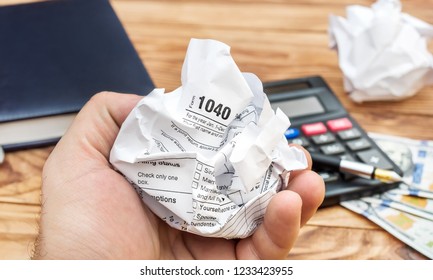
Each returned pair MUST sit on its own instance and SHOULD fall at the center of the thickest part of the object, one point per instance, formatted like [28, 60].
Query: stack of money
[405, 212]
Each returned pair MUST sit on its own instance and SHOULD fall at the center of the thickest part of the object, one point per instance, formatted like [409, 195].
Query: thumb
[274, 238]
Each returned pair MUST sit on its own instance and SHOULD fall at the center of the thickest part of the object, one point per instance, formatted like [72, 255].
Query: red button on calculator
[339, 124]
[313, 128]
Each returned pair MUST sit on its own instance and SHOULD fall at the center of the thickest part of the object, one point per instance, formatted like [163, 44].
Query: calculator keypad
[338, 137]
[339, 124]
[349, 134]
[332, 149]
[313, 129]
[376, 159]
[324, 138]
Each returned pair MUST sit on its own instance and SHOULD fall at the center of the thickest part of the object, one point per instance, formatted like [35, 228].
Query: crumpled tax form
[207, 157]
[382, 52]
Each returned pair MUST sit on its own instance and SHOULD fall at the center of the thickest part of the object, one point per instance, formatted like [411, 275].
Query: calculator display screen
[299, 107]
[287, 88]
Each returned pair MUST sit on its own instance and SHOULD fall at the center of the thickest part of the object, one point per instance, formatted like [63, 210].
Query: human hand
[89, 211]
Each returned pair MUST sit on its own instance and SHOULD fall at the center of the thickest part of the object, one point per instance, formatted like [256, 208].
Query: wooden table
[275, 39]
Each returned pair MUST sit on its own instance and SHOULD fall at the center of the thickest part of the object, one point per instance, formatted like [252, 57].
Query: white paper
[207, 157]
[382, 52]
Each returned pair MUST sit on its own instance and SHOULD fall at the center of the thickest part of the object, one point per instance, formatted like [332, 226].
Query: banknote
[418, 206]
[415, 158]
[412, 230]
[405, 212]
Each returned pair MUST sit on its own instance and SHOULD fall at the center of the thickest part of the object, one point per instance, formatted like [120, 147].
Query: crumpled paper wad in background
[382, 52]
[207, 157]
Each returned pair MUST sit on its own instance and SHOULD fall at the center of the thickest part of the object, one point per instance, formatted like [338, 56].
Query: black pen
[355, 168]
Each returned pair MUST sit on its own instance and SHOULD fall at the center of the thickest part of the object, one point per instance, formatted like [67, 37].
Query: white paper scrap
[207, 157]
[382, 52]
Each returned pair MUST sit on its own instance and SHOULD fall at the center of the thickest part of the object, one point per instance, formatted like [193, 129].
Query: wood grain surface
[275, 39]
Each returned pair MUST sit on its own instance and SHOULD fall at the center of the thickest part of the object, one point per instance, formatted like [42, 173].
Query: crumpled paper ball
[207, 157]
[382, 52]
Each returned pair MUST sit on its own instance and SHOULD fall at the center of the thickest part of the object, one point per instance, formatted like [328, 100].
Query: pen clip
[2, 155]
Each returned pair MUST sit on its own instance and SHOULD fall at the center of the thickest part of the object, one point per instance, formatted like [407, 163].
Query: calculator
[321, 124]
